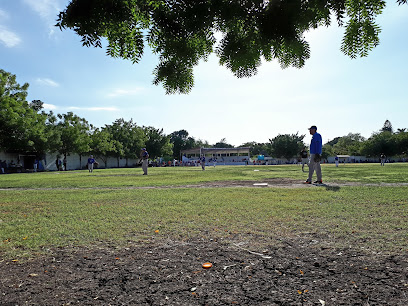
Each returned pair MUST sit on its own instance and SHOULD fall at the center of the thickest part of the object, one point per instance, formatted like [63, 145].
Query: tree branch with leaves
[183, 32]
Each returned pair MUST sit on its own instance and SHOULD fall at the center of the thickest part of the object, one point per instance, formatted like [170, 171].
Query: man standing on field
[382, 157]
[315, 158]
[303, 156]
[145, 160]
[202, 160]
[91, 162]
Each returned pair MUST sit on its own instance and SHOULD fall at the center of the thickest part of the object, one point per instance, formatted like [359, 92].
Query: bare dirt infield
[170, 273]
[266, 183]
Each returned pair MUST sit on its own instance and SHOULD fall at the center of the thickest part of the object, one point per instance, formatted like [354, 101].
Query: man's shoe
[307, 182]
[318, 182]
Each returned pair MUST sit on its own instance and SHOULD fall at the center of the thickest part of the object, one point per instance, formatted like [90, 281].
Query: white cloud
[8, 38]
[4, 15]
[110, 109]
[47, 82]
[45, 8]
[125, 92]
[49, 106]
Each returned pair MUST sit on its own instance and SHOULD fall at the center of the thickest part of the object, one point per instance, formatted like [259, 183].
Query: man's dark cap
[313, 127]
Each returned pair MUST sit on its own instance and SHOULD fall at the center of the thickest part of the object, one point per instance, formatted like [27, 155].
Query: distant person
[315, 156]
[65, 163]
[57, 163]
[214, 162]
[382, 159]
[202, 160]
[35, 165]
[144, 155]
[336, 160]
[3, 166]
[91, 162]
[303, 156]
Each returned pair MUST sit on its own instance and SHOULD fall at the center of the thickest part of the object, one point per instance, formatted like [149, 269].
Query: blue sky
[332, 91]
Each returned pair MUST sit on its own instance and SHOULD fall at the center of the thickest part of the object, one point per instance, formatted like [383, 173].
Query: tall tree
[129, 137]
[401, 140]
[379, 143]
[327, 150]
[157, 143]
[256, 148]
[387, 127]
[349, 144]
[74, 133]
[181, 141]
[201, 143]
[102, 145]
[286, 146]
[183, 32]
[22, 126]
[223, 144]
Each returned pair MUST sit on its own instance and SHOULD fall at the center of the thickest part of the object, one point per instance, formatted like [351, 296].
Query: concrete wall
[74, 162]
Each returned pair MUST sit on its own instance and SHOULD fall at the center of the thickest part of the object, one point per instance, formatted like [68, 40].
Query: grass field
[41, 211]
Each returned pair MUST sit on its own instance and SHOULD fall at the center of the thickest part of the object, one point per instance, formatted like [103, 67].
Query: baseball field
[116, 237]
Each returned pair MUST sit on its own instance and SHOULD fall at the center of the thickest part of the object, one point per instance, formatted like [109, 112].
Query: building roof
[242, 150]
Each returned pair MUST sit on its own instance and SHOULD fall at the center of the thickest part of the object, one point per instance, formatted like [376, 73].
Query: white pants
[90, 167]
[314, 166]
[144, 166]
[304, 162]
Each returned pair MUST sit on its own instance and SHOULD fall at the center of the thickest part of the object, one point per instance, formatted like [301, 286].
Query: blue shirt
[316, 144]
[145, 155]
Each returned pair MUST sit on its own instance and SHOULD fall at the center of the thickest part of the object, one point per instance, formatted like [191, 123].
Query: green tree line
[26, 127]
[384, 141]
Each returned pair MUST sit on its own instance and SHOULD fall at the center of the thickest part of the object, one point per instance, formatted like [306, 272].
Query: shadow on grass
[329, 188]
[332, 188]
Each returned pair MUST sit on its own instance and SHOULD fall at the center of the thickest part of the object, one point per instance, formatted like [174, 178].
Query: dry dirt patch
[171, 273]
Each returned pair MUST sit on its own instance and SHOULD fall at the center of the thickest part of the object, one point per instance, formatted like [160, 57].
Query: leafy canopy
[22, 127]
[182, 32]
[286, 146]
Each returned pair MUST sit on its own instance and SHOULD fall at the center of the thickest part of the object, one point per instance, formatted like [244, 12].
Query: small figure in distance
[303, 156]
[144, 155]
[91, 162]
[202, 160]
[382, 158]
[336, 160]
[315, 158]
[35, 165]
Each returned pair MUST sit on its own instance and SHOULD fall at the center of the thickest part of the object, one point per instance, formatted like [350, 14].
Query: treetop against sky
[183, 32]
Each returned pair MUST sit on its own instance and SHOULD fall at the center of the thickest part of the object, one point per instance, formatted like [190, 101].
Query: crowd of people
[10, 167]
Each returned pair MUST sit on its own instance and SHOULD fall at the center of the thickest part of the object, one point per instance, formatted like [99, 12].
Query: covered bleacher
[220, 156]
